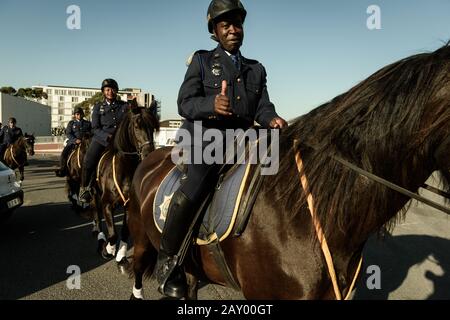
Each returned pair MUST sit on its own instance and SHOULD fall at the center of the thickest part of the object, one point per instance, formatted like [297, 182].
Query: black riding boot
[62, 170]
[85, 195]
[170, 277]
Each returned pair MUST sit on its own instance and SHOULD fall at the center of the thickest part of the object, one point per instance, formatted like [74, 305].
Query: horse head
[29, 143]
[143, 124]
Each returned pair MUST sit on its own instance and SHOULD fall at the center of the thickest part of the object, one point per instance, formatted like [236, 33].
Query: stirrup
[171, 279]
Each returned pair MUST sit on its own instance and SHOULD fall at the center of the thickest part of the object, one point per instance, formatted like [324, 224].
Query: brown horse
[15, 155]
[73, 178]
[395, 124]
[132, 142]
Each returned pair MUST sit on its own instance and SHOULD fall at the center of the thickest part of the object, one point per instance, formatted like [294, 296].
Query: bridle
[138, 152]
[397, 188]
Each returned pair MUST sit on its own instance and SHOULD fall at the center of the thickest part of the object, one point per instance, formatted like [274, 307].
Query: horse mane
[121, 138]
[399, 111]
[150, 120]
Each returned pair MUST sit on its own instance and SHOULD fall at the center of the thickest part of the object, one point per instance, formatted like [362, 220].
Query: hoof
[123, 265]
[101, 250]
[134, 298]
[105, 255]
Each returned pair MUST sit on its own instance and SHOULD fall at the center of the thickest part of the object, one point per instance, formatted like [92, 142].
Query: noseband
[139, 150]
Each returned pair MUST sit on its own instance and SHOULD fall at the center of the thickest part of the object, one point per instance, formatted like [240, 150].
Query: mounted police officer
[106, 117]
[76, 130]
[8, 135]
[224, 90]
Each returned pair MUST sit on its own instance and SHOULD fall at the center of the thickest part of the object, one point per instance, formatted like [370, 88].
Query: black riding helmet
[219, 7]
[111, 83]
[79, 110]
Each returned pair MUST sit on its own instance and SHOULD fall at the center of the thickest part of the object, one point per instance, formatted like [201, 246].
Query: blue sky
[312, 50]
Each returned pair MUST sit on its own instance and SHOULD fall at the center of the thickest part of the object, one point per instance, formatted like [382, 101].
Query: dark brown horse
[395, 124]
[73, 178]
[132, 142]
[15, 155]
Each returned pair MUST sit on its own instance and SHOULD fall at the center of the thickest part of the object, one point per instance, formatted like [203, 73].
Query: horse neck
[122, 141]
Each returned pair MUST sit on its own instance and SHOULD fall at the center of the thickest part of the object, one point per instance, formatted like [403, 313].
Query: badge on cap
[216, 69]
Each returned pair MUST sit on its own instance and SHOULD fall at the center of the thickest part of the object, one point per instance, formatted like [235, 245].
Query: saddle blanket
[221, 213]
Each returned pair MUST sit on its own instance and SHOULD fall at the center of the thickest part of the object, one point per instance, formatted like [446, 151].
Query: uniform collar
[106, 103]
[226, 59]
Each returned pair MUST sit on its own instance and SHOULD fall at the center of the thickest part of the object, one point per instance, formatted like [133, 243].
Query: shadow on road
[395, 255]
[38, 244]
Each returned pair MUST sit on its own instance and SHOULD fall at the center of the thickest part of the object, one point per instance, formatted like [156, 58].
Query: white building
[32, 117]
[167, 133]
[63, 100]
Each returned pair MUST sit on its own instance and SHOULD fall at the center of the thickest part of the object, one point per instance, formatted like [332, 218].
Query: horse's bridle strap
[125, 201]
[12, 156]
[321, 236]
[393, 186]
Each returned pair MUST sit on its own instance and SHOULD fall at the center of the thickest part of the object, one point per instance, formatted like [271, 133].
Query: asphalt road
[44, 238]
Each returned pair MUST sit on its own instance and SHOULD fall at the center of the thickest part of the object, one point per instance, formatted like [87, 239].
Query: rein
[12, 155]
[321, 236]
[397, 188]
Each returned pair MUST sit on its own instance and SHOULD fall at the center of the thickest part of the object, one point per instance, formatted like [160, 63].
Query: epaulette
[189, 59]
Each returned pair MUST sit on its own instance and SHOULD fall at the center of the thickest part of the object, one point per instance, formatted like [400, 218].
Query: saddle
[226, 209]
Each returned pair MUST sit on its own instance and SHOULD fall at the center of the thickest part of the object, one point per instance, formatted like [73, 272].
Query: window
[61, 98]
[49, 91]
[74, 99]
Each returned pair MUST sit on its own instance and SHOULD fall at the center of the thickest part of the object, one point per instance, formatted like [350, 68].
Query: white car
[11, 194]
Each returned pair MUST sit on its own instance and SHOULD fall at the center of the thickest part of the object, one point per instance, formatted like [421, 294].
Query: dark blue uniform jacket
[247, 90]
[10, 135]
[77, 130]
[106, 119]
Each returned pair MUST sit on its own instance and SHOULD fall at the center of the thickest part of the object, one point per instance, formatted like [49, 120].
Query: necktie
[235, 61]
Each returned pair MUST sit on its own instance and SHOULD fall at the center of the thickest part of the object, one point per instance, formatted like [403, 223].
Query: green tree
[88, 104]
[58, 131]
[8, 90]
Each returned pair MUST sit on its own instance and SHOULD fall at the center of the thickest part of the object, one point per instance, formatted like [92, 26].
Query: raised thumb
[224, 88]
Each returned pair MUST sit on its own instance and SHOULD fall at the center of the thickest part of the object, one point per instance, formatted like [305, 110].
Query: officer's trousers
[91, 159]
[201, 179]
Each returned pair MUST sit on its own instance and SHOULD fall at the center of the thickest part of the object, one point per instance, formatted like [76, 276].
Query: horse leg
[144, 261]
[110, 250]
[121, 257]
[97, 229]
[21, 173]
[72, 186]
